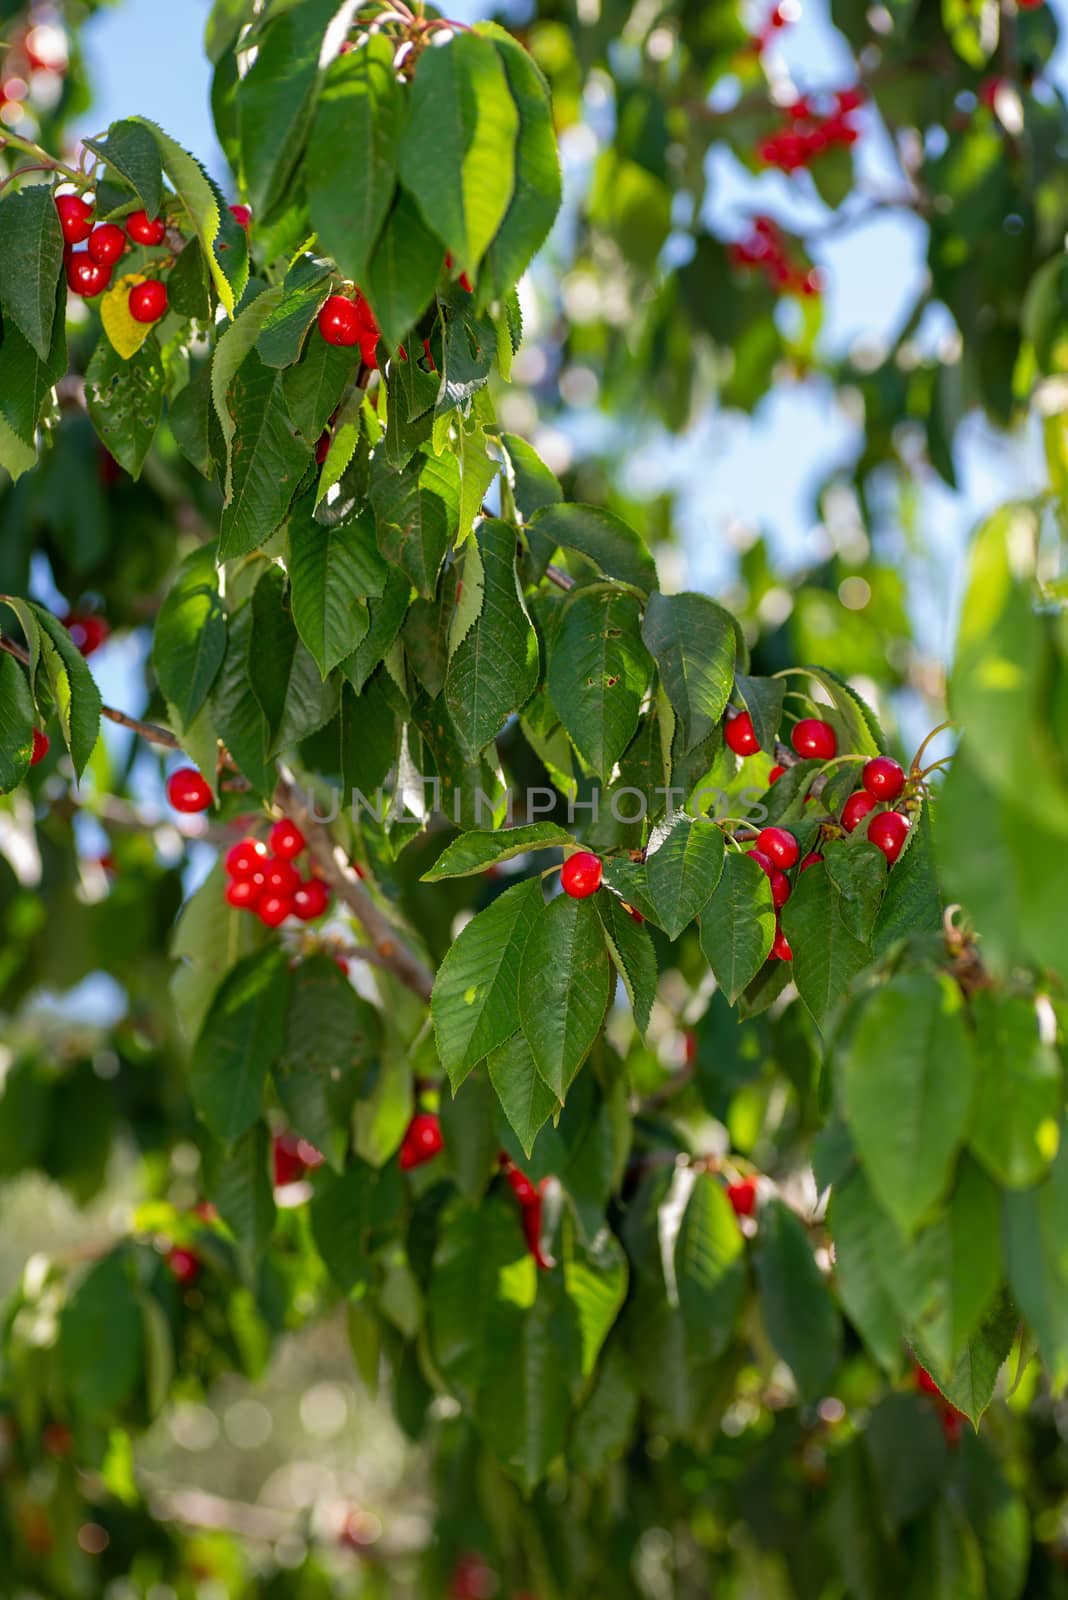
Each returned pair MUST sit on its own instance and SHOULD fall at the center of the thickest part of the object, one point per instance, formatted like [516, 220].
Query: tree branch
[391, 950]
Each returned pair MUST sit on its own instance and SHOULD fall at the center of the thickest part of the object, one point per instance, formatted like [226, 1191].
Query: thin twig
[147, 730]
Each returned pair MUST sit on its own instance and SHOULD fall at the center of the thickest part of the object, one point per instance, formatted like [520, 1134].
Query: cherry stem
[918, 757]
[43, 161]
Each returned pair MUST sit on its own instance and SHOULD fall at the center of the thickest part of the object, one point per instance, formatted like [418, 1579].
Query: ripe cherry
[370, 333]
[241, 215]
[339, 320]
[775, 774]
[779, 846]
[286, 839]
[421, 1142]
[780, 948]
[85, 276]
[245, 858]
[856, 809]
[762, 861]
[244, 893]
[521, 1186]
[814, 739]
[740, 736]
[690, 1048]
[810, 860]
[40, 746]
[883, 778]
[580, 875]
[75, 218]
[185, 1266]
[144, 229]
[780, 889]
[925, 1383]
[148, 300]
[322, 447]
[280, 877]
[87, 632]
[289, 1166]
[187, 791]
[273, 909]
[742, 1196]
[532, 1231]
[311, 899]
[888, 832]
[107, 243]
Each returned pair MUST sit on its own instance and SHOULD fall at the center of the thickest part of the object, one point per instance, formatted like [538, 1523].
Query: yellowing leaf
[127, 335]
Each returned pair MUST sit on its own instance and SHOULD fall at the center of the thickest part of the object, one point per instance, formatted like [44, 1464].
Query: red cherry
[241, 215]
[521, 1186]
[884, 778]
[289, 1166]
[775, 774]
[246, 858]
[185, 1266]
[40, 746]
[280, 877]
[341, 963]
[107, 243]
[311, 899]
[273, 909]
[532, 1231]
[421, 1142]
[143, 229]
[57, 1439]
[75, 218]
[888, 832]
[691, 1049]
[339, 320]
[952, 1422]
[780, 889]
[740, 736]
[87, 633]
[148, 300]
[244, 893]
[580, 875]
[810, 860]
[780, 949]
[633, 913]
[286, 839]
[856, 809]
[814, 739]
[742, 1196]
[322, 447]
[779, 846]
[370, 333]
[849, 99]
[925, 1383]
[85, 276]
[187, 791]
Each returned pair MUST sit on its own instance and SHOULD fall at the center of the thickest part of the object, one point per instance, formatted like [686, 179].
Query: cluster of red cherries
[264, 880]
[347, 320]
[89, 270]
[776, 850]
[764, 250]
[808, 133]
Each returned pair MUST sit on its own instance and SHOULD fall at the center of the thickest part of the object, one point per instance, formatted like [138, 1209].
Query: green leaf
[494, 670]
[1019, 1090]
[827, 956]
[16, 724]
[208, 939]
[239, 1041]
[359, 108]
[286, 682]
[564, 988]
[709, 1269]
[738, 924]
[417, 513]
[908, 1083]
[524, 1408]
[189, 284]
[598, 673]
[605, 539]
[526, 1099]
[207, 216]
[387, 614]
[285, 327]
[1036, 1226]
[131, 151]
[16, 456]
[479, 1255]
[534, 486]
[799, 1313]
[633, 955]
[236, 710]
[404, 269]
[536, 199]
[457, 150]
[862, 1235]
[31, 259]
[604, 1426]
[595, 1282]
[316, 385]
[125, 400]
[859, 873]
[76, 694]
[763, 699]
[475, 1003]
[472, 1139]
[332, 1036]
[908, 1452]
[239, 1181]
[26, 382]
[344, 1210]
[692, 641]
[268, 459]
[189, 641]
[276, 97]
[332, 571]
[682, 868]
[100, 1347]
[970, 1384]
[473, 852]
[234, 344]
